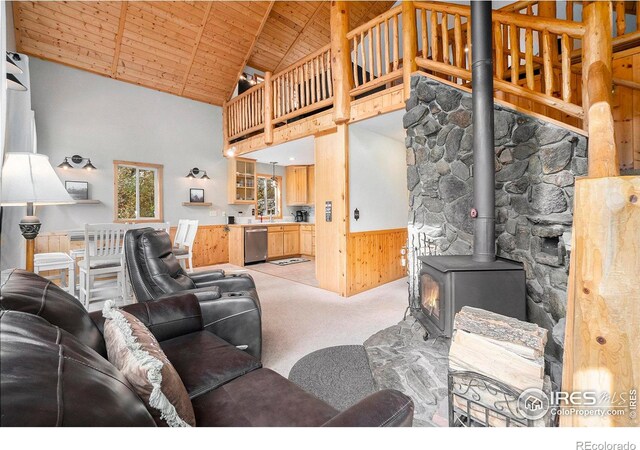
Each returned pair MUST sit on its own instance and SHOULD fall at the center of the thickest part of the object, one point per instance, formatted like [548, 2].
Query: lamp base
[30, 227]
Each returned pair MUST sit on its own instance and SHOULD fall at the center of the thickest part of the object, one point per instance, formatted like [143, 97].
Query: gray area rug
[400, 359]
[338, 375]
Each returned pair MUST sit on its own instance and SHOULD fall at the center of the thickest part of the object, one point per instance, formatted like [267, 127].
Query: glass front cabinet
[242, 181]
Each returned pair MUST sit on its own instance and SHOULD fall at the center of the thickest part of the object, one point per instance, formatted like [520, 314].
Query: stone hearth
[536, 164]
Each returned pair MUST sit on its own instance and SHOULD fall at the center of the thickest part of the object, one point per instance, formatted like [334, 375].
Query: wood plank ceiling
[194, 49]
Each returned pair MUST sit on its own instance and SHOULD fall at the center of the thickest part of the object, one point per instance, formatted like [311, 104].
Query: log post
[340, 61]
[549, 9]
[602, 339]
[225, 126]
[409, 45]
[268, 109]
[596, 89]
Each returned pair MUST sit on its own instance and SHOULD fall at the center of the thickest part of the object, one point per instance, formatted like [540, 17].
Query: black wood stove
[447, 283]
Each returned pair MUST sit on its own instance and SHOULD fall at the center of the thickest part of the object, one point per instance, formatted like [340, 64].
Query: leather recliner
[230, 303]
[54, 369]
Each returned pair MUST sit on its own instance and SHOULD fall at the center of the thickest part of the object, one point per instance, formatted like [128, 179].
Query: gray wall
[377, 180]
[81, 113]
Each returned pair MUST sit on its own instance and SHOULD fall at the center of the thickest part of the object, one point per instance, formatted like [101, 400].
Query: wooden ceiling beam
[116, 54]
[295, 41]
[246, 58]
[194, 51]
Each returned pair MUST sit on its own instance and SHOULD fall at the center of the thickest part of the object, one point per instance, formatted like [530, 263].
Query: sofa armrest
[237, 282]
[201, 293]
[171, 316]
[206, 275]
[235, 317]
[387, 408]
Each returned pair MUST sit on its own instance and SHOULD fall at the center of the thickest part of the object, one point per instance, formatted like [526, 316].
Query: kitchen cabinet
[241, 181]
[291, 242]
[283, 241]
[275, 243]
[300, 185]
[311, 185]
[307, 240]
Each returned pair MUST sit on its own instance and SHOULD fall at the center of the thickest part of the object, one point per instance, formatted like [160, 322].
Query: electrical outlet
[213, 213]
[224, 214]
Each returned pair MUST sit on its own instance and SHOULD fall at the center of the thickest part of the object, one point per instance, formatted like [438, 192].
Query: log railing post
[340, 61]
[225, 125]
[409, 45]
[596, 88]
[268, 109]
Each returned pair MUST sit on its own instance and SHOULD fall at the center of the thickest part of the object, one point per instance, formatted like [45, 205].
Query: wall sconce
[77, 161]
[12, 70]
[193, 173]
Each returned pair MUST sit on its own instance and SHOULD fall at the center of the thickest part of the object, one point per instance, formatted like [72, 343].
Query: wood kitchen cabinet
[275, 242]
[307, 240]
[291, 242]
[300, 185]
[242, 181]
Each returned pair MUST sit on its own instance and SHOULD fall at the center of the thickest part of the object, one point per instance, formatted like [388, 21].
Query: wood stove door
[432, 297]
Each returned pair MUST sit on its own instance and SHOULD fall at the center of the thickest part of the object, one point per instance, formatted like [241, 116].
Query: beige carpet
[298, 319]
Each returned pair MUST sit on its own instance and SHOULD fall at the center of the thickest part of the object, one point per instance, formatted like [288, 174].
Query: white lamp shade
[30, 178]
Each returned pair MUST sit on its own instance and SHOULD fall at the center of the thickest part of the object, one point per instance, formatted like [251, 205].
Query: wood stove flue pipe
[483, 143]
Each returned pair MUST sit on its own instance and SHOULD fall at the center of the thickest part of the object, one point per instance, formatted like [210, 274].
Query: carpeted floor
[298, 319]
[340, 375]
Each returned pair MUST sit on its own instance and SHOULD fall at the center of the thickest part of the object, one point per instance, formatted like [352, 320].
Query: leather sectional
[54, 369]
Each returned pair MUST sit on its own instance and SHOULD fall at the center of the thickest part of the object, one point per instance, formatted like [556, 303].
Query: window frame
[159, 199]
[279, 191]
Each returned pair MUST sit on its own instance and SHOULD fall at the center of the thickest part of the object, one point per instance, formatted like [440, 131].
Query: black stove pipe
[483, 148]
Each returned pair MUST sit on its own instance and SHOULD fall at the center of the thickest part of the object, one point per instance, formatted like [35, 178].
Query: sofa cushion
[31, 293]
[136, 353]
[261, 398]
[49, 378]
[204, 361]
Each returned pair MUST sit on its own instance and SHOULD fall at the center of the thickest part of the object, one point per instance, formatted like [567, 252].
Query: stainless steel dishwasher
[255, 244]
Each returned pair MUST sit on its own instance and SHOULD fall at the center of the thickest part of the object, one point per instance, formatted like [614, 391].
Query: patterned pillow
[136, 353]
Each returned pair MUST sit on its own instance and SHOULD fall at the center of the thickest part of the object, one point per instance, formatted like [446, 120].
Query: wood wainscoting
[374, 258]
[211, 245]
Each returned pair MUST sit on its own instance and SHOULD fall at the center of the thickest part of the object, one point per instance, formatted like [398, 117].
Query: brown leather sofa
[54, 370]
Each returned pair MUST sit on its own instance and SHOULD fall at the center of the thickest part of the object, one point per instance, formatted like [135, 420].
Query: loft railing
[303, 87]
[538, 59]
[375, 52]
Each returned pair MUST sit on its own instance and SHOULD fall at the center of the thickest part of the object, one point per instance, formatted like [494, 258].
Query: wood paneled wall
[626, 108]
[332, 159]
[211, 245]
[374, 258]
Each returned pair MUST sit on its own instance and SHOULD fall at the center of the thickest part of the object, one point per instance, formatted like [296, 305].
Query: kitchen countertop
[269, 224]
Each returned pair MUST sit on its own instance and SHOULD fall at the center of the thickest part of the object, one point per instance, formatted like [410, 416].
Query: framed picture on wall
[78, 190]
[196, 195]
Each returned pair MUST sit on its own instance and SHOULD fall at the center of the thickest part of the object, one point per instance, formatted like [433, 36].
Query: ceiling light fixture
[195, 171]
[231, 151]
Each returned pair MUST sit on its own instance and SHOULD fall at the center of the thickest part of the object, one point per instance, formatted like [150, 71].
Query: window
[138, 191]
[269, 201]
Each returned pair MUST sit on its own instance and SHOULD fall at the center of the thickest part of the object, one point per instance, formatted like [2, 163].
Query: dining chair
[183, 242]
[103, 258]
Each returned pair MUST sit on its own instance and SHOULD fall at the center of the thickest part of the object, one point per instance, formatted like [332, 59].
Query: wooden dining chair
[103, 259]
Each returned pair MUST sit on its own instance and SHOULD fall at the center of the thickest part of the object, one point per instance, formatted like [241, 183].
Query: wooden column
[225, 126]
[596, 89]
[409, 45]
[268, 109]
[602, 341]
[340, 61]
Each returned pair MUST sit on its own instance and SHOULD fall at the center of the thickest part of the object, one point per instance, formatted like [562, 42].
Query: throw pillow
[136, 353]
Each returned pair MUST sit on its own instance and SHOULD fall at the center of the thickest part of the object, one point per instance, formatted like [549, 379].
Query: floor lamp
[28, 179]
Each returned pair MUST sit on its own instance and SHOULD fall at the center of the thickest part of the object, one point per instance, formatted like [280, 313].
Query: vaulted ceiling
[194, 49]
